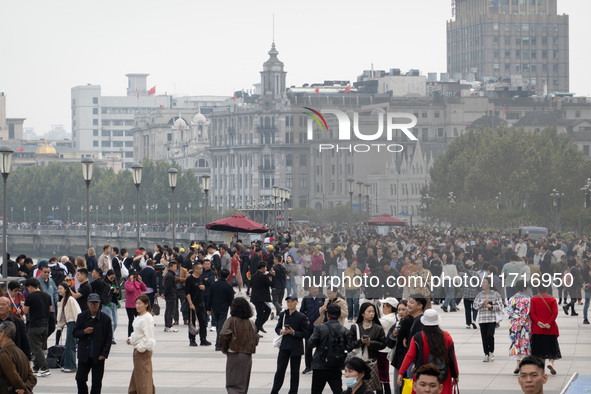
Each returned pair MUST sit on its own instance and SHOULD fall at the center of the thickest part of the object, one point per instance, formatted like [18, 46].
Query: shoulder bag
[277, 341]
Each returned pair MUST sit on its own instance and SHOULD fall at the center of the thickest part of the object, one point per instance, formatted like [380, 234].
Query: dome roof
[179, 121]
[46, 149]
[199, 118]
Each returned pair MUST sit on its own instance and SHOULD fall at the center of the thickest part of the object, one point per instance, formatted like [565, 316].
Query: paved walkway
[182, 369]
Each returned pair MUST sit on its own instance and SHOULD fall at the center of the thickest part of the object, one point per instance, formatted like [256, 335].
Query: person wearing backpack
[330, 340]
[292, 325]
[432, 346]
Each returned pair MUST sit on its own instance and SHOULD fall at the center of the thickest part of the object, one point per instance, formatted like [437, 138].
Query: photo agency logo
[393, 121]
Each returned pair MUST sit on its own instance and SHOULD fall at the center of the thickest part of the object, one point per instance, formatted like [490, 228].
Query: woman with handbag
[432, 346]
[143, 342]
[366, 339]
[67, 313]
[239, 339]
[544, 340]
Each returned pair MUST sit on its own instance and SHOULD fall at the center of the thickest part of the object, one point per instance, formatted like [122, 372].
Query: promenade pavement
[179, 368]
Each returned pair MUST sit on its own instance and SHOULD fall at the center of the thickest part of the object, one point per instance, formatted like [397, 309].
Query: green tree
[510, 169]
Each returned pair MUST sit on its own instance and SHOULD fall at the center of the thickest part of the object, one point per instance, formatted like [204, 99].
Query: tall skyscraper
[503, 38]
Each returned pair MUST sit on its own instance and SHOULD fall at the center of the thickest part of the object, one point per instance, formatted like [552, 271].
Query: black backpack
[333, 350]
[442, 365]
[57, 274]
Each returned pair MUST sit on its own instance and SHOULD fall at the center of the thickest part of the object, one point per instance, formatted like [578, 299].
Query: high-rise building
[508, 38]
[103, 123]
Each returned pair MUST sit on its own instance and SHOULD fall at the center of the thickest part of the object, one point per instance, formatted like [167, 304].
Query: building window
[106, 144]
[129, 155]
[117, 133]
[440, 132]
[117, 144]
[95, 133]
[303, 160]
[586, 150]
[95, 143]
[129, 144]
[495, 26]
[95, 122]
[128, 133]
[95, 111]
[106, 133]
[288, 159]
[95, 100]
[288, 181]
[436, 114]
[577, 114]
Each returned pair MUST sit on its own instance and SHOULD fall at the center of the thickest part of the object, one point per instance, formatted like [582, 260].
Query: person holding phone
[134, 286]
[488, 302]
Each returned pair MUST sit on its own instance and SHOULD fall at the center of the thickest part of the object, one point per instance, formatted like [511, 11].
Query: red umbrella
[237, 223]
[386, 220]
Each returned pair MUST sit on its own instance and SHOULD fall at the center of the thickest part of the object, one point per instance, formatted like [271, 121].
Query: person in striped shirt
[488, 302]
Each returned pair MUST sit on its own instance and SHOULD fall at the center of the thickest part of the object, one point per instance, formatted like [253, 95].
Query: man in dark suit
[221, 295]
[94, 332]
[310, 307]
[260, 285]
[293, 326]
[255, 260]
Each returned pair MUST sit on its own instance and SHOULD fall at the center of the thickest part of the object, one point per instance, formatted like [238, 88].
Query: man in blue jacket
[221, 295]
[311, 305]
[150, 278]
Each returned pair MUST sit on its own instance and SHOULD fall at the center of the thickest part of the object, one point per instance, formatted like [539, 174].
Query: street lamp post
[168, 212]
[275, 196]
[12, 214]
[281, 202]
[189, 203]
[81, 213]
[359, 193]
[137, 180]
[25, 214]
[172, 178]
[452, 203]
[97, 214]
[109, 208]
[68, 214]
[121, 210]
[57, 209]
[5, 166]
[557, 202]
[147, 215]
[350, 184]
[53, 213]
[498, 198]
[286, 209]
[156, 212]
[587, 190]
[205, 183]
[87, 176]
[40, 215]
[367, 191]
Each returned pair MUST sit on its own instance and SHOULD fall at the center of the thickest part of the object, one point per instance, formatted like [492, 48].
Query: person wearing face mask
[356, 373]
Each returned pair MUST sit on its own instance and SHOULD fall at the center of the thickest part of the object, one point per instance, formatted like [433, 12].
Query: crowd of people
[348, 300]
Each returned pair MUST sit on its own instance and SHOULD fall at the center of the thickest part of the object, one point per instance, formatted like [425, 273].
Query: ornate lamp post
[286, 209]
[189, 203]
[350, 185]
[109, 208]
[172, 178]
[68, 213]
[275, 196]
[557, 203]
[136, 169]
[121, 210]
[5, 166]
[205, 184]
[587, 190]
[367, 191]
[87, 175]
[359, 193]
[25, 214]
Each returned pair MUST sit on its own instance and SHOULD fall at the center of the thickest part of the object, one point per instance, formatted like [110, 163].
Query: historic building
[504, 38]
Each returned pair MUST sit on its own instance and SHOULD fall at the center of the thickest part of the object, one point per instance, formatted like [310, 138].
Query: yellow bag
[407, 386]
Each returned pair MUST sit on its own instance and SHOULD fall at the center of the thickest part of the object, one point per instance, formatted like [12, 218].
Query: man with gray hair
[15, 370]
[20, 340]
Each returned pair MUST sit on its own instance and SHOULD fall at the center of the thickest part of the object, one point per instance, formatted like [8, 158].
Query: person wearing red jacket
[544, 340]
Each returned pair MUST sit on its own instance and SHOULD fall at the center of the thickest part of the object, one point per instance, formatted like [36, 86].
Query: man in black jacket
[20, 339]
[93, 330]
[150, 278]
[255, 260]
[170, 295]
[220, 298]
[292, 325]
[279, 283]
[324, 337]
[260, 284]
[194, 289]
[310, 307]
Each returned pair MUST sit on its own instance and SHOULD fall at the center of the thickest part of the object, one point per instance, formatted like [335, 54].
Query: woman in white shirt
[143, 342]
[68, 310]
[388, 320]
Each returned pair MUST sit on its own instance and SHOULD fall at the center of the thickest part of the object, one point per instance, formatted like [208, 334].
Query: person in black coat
[323, 373]
[293, 327]
[170, 295]
[150, 278]
[20, 339]
[260, 284]
[221, 295]
[310, 307]
[94, 333]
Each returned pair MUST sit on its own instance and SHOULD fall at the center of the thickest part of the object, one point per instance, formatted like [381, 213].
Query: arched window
[201, 163]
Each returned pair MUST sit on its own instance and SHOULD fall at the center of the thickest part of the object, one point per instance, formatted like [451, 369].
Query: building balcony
[266, 128]
[267, 167]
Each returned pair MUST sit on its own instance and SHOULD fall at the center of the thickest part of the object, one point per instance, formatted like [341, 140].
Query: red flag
[317, 91]
[152, 91]
[505, 110]
[348, 89]
[234, 96]
[161, 106]
[138, 95]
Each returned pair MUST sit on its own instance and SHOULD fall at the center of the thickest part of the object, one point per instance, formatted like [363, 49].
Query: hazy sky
[198, 47]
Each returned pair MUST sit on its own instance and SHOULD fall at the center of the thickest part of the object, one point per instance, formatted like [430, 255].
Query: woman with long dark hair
[143, 342]
[432, 346]
[368, 338]
[397, 336]
[239, 339]
[67, 312]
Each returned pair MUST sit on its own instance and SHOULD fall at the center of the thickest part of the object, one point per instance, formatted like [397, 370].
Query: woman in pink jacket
[134, 286]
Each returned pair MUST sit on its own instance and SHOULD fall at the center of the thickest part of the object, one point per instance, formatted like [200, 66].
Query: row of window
[114, 133]
[114, 144]
[525, 54]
